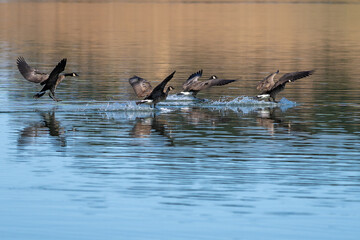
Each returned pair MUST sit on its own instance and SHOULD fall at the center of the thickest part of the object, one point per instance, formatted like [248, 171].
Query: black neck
[168, 90]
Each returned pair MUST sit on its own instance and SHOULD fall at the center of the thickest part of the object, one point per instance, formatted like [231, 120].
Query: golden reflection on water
[244, 41]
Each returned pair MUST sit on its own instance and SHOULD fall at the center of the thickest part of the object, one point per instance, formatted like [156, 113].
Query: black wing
[219, 82]
[29, 73]
[162, 85]
[54, 75]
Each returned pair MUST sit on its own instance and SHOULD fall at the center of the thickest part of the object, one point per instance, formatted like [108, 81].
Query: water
[98, 166]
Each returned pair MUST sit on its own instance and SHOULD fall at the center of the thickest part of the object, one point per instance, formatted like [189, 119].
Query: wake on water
[173, 102]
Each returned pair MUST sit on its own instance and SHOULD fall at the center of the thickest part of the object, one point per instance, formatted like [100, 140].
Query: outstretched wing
[198, 86]
[162, 85]
[218, 82]
[54, 75]
[29, 73]
[142, 87]
[193, 78]
[267, 83]
[293, 76]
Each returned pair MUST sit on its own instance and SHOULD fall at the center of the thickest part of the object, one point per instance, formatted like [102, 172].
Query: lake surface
[98, 166]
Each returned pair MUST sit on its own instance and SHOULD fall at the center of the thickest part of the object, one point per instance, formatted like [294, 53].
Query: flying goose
[193, 85]
[142, 88]
[52, 81]
[269, 88]
[33, 75]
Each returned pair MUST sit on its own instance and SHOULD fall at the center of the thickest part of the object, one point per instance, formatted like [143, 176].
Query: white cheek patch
[185, 93]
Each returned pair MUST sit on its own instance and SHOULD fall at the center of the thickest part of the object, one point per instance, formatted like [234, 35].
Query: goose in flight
[33, 75]
[193, 85]
[268, 88]
[52, 81]
[143, 89]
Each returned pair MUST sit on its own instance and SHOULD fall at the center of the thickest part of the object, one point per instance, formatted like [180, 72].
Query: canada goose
[33, 75]
[52, 81]
[193, 86]
[269, 88]
[143, 87]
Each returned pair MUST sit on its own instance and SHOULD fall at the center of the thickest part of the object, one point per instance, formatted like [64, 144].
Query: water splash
[251, 101]
[176, 97]
[130, 106]
[246, 104]
[242, 103]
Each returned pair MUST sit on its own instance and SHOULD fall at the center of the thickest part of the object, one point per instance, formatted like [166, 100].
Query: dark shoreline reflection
[48, 126]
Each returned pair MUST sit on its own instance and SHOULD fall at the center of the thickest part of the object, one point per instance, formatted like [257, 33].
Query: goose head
[73, 74]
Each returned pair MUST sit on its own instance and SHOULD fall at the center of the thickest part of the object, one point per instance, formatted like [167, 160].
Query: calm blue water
[98, 166]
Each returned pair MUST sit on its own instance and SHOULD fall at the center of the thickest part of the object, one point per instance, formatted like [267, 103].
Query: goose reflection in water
[145, 127]
[270, 119]
[267, 119]
[47, 126]
[197, 115]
